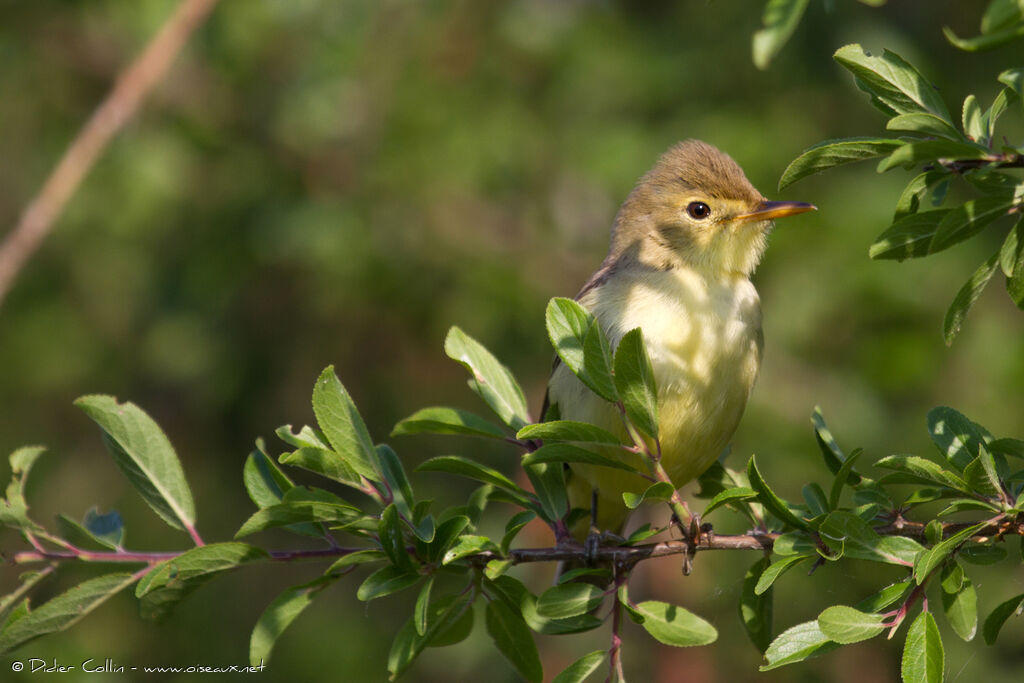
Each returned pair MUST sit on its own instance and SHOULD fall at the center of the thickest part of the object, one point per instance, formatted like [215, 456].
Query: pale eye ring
[698, 210]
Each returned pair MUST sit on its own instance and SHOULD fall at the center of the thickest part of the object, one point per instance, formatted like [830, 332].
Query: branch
[622, 556]
[961, 166]
[119, 106]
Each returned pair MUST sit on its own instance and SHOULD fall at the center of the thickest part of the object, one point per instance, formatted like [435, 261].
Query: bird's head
[697, 209]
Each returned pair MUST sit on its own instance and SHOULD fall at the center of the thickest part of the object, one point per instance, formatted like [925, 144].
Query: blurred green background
[324, 181]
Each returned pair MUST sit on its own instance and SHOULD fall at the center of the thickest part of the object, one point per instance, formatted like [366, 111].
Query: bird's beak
[767, 211]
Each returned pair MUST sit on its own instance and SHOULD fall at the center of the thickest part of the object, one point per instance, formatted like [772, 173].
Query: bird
[684, 245]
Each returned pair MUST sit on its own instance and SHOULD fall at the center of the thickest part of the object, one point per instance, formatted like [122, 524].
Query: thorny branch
[621, 556]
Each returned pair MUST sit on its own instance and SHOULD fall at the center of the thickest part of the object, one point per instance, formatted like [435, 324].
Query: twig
[625, 557]
[119, 106]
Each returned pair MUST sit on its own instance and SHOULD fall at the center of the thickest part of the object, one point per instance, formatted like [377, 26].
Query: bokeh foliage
[323, 182]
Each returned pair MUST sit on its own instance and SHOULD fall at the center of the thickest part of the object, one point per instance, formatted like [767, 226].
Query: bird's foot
[694, 533]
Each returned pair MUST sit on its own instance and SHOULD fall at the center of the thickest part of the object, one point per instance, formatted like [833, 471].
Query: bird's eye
[698, 210]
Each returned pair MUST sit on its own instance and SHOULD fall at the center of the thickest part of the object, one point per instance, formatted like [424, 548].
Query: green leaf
[732, 495]
[491, 380]
[356, 558]
[597, 362]
[444, 420]
[567, 430]
[980, 474]
[830, 450]
[781, 17]
[634, 379]
[1011, 258]
[984, 42]
[573, 574]
[934, 556]
[1002, 102]
[924, 123]
[467, 544]
[456, 464]
[549, 484]
[978, 553]
[961, 609]
[386, 581]
[843, 476]
[296, 510]
[1001, 14]
[96, 531]
[756, 608]
[858, 540]
[973, 121]
[514, 526]
[814, 498]
[63, 611]
[279, 615]
[967, 220]
[659, 490]
[913, 153]
[569, 600]
[777, 569]
[263, 479]
[958, 438]
[923, 656]
[915, 469]
[513, 639]
[673, 625]
[396, 480]
[796, 644]
[172, 580]
[1011, 447]
[141, 450]
[578, 671]
[514, 592]
[952, 577]
[910, 200]
[1013, 79]
[893, 84]
[772, 502]
[886, 597]
[908, 237]
[995, 620]
[564, 452]
[569, 327]
[14, 510]
[344, 428]
[830, 153]
[14, 605]
[421, 611]
[392, 540]
[447, 619]
[794, 543]
[447, 532]
[307, 436]
[326, 463]
[966, 297]
[847, 625]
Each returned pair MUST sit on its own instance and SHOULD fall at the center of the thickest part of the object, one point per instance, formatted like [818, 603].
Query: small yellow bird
[684, 245]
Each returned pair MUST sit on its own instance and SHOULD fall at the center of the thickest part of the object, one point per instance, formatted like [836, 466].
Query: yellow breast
[704, 339]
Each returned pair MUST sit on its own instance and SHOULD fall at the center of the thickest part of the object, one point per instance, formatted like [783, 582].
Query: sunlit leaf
[923, 655]
[781, 17]
[893, 83]
[830, 153]
[491, 380]
[142, 451]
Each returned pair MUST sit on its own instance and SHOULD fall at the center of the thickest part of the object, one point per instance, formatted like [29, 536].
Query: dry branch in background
[120, 105]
